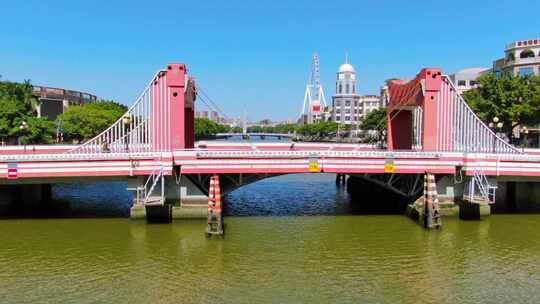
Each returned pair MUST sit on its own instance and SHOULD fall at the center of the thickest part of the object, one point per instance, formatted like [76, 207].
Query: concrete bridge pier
[451, 191]
[341, 179]
[183, 200]
[516, 195]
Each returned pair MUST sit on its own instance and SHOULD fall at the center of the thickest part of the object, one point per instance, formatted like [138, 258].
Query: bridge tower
[162, 119]
[314, 100]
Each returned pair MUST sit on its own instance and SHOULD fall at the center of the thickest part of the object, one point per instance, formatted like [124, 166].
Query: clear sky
[252, 54]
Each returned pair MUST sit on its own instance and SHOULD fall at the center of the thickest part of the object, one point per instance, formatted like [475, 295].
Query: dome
[346, 68]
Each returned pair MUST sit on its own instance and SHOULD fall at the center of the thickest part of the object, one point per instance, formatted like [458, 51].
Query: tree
[206, 128]
[375, 120]
[285, 128]
[513, 99]
[318, 130]
[17, 105]
[85, 122]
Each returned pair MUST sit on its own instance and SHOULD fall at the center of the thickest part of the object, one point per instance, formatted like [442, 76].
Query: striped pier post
[432, 212]
[215, 219]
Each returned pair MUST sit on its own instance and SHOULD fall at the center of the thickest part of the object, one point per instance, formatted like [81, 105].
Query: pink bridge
[430, 130]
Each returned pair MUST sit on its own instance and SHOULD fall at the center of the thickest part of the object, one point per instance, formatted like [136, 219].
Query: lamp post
[495, 125]
[525, 133]
[23, 127]
[126, 121]
[59, 132]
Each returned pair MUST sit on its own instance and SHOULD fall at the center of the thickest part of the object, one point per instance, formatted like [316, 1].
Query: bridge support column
[427, 209]
[215, 218]
[182, 196]
[341, 179]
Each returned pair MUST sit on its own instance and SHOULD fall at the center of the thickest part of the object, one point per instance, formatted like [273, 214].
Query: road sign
[313, 163]
[12, 170]
[389, 168]
[313, 166]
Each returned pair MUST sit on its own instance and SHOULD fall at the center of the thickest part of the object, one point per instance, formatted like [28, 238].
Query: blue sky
[252, 54]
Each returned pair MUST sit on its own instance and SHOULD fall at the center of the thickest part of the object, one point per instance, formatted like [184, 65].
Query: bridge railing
[467, 132]
[134, 131]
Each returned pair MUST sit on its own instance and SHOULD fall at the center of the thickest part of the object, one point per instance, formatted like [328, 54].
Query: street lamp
[525, 133]
[495, 125]
[126, 121]
[22, 128]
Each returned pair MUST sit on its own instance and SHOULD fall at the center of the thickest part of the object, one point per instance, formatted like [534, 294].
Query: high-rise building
[346, 101]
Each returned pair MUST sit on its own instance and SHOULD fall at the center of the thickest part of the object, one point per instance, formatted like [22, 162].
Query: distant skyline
[256, 55]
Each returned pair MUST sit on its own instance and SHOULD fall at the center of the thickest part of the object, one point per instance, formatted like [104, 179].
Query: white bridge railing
[138, 128]
[460, 129]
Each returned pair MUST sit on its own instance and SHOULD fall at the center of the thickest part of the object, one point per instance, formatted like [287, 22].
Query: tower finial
[346, 57]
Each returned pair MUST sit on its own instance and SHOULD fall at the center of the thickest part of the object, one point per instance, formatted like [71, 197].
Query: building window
[461, 83]
[510, 57]
[340, 89]
[526, 54]
[338, 111]
[523, 72]
[347, 118]
[347, 111]
[347, 88]
[472, 83]
[354, 89]
[347, 103]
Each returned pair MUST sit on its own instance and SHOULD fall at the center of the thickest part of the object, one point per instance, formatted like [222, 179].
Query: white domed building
[347, 108]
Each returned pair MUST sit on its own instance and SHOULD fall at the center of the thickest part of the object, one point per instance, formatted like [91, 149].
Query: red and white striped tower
[432, 212]
[215, 220]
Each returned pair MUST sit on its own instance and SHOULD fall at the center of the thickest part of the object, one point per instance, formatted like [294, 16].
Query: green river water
[271, 259]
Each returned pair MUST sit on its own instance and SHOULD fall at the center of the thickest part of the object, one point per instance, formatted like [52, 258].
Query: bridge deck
[223, 157]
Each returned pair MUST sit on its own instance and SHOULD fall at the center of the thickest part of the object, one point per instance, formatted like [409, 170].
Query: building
[54, 101]
[369, 103]
[465, 79]
[346, 100]
[212, 115]
[349, 107]
[521, 58]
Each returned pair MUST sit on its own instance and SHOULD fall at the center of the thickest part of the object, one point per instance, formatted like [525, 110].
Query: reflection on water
[94, 199]
[315, 259]
[295, 194]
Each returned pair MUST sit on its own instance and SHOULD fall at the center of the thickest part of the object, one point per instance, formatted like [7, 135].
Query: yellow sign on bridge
[389, 168]
[313, 166]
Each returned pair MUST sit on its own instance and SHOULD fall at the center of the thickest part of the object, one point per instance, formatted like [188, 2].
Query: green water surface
[285, 259]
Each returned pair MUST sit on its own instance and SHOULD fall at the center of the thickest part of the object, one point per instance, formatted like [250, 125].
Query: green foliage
[285, 128]
[205, 128]
[375, 120]
[318, 130]
[17, 105]
[513, 99]
[84, 122]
